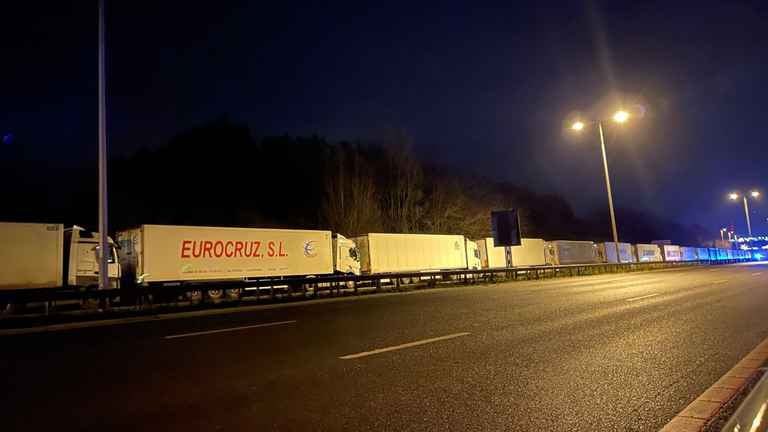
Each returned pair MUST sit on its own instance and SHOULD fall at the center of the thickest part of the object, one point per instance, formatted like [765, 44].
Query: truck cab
[81, 259]
[346, 256]
[474, 257]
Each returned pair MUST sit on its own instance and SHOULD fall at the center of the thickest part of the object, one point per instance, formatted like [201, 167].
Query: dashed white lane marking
[229, 329]
[720, 281]
[757, 274]
[510, 293]
[714, 270]
[642, 297]
[406, 345]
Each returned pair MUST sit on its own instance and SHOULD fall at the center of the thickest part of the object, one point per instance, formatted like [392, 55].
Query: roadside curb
[696, 415]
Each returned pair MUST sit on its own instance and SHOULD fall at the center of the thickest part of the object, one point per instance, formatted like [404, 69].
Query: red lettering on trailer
[218, 249]
[208, 248]
[271, 248]
[227, 252]
[185, 247]
[280, 250]
[199, 252]
[239, 248]
[256, 253]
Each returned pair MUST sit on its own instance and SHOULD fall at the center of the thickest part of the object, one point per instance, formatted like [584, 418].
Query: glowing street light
[722, 230]
[754, 194]
[619, 117]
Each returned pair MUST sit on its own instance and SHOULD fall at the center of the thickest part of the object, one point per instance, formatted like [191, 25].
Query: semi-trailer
[49, 256]
[606, 252]
[703, 254]
[530, 252]
[170, 255]
[648, 253]
[671, 253]
[688, 253]
[563, 252]
[402, 253]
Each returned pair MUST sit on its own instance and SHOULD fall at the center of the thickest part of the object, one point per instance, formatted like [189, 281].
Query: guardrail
[312, 286]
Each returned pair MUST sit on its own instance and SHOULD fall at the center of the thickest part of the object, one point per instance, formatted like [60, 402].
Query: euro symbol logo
[309, 249]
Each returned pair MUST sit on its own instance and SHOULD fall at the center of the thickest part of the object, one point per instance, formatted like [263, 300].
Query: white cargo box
[162, 253]
[564, 252]
[688, 253]
[490, 255]
[531, 252]
[31, 255]
[671, 253]
[702, 254]
[608, 252]
[392, 253]
[648, 253]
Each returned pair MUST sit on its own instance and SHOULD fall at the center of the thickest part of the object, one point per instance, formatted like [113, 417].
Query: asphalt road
[613, 352]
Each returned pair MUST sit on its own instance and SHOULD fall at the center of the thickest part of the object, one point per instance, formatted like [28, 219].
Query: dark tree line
[219, 175]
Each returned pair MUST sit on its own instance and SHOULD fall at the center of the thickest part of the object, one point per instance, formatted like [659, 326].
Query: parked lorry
[702, 254]
[35, 255]
[606, 252]
[164, 254]
[398, 253]
[563, 252]
[688, 253]
[491, 256]
[671, 253]
[531, 252]
[648, 253]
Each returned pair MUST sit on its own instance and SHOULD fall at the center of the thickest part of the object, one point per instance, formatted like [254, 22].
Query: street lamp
[619, 117]
[754, 194]
[722, 230]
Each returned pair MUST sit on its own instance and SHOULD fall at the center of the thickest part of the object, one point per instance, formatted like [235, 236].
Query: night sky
[486, 88]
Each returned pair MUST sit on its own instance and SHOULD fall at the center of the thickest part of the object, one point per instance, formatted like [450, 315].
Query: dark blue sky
[484, 88]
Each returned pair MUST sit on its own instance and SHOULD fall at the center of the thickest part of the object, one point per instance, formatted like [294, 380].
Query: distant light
[621, 116]
[578, 126]
[733, 196]
[755, 194]
[8, 139]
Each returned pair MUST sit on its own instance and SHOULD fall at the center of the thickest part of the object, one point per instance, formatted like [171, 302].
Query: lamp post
[754, 194]
[619, 117]
[722, 236]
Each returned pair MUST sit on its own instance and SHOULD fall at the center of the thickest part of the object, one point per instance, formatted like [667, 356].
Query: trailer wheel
[405, 281]
[233, 294]
[349, 284]
[91, 303]
[214, 294]
[6, 308]
[192, 296]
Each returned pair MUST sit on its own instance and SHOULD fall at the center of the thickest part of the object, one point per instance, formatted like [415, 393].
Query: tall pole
[103, 226]
[722, 237]
[746, 212]
[610, 196]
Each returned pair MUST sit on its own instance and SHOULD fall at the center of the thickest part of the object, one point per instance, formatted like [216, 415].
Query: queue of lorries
[50, 256]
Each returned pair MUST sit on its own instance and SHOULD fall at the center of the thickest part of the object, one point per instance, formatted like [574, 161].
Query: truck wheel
[192, 296]
[233, 294]
[405, 281]
[6, 308]
[214, 294]
[91, 303]
[349, 284]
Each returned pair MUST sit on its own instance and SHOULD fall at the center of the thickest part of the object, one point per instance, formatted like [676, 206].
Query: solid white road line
[229, 329]
[757, 274]
[642, 297]
[406, 345]
[720, 281]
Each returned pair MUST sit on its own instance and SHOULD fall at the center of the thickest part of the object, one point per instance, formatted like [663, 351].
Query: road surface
[622, 352]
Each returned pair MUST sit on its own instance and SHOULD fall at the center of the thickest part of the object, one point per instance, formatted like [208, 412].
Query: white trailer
[607, 252]
[163, 254]
[531, 252]
[563, 252]
[688, 253]
[671, 253]
[702, 254]
[648, 253]
[490, 255]
[34, 255]
[398, 253]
